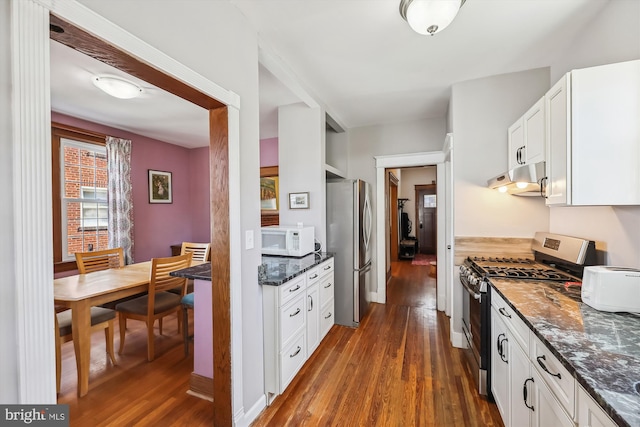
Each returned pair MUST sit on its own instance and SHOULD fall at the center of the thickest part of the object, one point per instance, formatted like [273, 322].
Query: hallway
[397, 369]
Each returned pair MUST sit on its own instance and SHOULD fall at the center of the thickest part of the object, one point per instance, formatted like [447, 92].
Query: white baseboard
[244, 419]
[458, 340]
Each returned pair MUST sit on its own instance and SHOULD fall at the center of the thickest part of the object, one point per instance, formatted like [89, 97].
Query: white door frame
[31, 124]
[437, 158]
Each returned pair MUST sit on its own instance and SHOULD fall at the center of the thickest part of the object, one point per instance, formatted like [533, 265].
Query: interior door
[393, 218]
[426, 215]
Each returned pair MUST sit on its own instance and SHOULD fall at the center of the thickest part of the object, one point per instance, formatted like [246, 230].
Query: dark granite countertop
[201, 271]
[601, 350]
[276, 270]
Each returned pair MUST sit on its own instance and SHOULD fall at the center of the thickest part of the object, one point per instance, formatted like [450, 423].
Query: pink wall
[158, 226]
[269, 152]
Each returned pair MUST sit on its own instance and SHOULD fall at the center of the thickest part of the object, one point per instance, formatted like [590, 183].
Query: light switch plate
[248, 239]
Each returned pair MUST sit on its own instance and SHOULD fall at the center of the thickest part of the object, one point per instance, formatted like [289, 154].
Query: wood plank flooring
[397, 369]
[135, 392]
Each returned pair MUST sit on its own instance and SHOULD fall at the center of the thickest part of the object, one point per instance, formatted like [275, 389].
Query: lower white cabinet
[590, 414]
[297, 315]
[519, 384]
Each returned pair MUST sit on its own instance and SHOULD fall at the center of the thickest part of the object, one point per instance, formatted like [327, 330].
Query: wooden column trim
[220, 266]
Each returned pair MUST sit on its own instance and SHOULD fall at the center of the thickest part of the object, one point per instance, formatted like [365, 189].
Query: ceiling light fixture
[429, 16]
[117, 86]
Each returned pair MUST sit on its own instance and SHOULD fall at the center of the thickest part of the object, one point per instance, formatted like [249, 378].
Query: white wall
[301, 165]
[482, 110]
[397, 138]
[410, 178]
[9, 367]
[337, 149]
[614, 36]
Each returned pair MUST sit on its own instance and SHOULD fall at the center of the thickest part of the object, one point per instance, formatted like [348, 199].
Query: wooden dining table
[82, 291]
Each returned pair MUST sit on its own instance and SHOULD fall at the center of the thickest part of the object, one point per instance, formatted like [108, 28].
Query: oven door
[473, 326]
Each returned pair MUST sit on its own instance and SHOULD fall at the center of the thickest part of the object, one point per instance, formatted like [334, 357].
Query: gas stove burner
[534, 273]
[502, 260]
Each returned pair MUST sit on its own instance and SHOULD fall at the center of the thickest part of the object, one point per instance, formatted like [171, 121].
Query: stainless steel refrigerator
[349, 224]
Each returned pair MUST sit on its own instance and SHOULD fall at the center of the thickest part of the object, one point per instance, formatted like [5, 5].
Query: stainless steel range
[557, 260]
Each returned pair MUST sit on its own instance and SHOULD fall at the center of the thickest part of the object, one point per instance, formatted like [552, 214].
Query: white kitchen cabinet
[500, 374]
[294, 324]
[516, 143]
[527, 137]
[327, 312]
[547, 410]
[593, 137]
[313, 317]
[523, 396]
[590, 414]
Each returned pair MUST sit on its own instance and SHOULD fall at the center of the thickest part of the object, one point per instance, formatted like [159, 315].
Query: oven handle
[471, 292]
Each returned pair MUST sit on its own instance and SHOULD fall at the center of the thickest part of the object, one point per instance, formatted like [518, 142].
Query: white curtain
[120, 196]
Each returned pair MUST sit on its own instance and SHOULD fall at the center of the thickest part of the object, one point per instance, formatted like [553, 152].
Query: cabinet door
[534, 133]
[313, 318]
[558, 143]
[500, 378]
[521, 386]
[590, 413]
[548, 411]
[516, 144]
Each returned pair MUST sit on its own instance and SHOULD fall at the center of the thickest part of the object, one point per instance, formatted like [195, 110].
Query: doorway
[425, 208]
[393, 218]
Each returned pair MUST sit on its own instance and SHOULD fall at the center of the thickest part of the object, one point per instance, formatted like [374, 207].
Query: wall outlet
[248, 239]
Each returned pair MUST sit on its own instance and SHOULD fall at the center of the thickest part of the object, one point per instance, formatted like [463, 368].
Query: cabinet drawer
[326, 267]
[327, 318]
[292, 289]
[291, 319]
[291, 360]
[313, 275]
[326, 289]
[516, 325]
[554, 374]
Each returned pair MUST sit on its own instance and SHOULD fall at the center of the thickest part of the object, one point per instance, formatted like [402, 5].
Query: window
[80, 180]
[429, 201]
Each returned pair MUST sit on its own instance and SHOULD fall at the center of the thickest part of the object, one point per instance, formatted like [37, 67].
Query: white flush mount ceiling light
[117, 86]
[429, 16]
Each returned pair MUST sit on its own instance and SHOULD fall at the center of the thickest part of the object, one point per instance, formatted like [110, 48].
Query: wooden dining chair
[89, 262]
[101, 319]
[201, 252]
[159, 302]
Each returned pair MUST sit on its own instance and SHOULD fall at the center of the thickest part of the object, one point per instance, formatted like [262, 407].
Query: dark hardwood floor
[397, 369]
[135, 392]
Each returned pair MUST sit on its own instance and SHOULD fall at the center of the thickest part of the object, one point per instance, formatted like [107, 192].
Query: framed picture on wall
[160, 190]
[298, 200]
[269, 193]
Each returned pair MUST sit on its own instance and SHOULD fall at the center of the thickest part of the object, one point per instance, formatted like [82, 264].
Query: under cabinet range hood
[525, 180]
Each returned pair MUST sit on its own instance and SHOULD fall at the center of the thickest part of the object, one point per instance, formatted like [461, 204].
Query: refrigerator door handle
[367, 221]
[364, 267]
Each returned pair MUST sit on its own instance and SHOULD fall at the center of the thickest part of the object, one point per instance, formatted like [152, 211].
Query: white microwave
[288, 240]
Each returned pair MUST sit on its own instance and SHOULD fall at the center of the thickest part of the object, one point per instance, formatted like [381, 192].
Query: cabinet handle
[544, 367]
[504, 312]
[296, 352]
[525, 392]
[313, 277]
[327, 267]
[522, 150]
[328, 315]
[296, 313]
[294, 289]
[543, 187]
[501, 351]
[518, 155]
[328, 285]
[499, 344]
[311, 303]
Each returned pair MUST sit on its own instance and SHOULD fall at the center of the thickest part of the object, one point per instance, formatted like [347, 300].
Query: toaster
[615, 289]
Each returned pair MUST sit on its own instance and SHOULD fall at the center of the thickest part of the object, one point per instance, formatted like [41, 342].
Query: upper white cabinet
[593, 137]
[527, 137]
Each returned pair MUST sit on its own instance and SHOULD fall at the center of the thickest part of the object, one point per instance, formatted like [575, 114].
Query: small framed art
[299, 200]
[160, 190]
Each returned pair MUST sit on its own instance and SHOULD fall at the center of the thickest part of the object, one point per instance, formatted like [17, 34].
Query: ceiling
[358, 58]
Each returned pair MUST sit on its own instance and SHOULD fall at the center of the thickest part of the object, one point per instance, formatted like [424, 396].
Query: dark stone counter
[276, 270]
[601, 350]
[202, 272]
